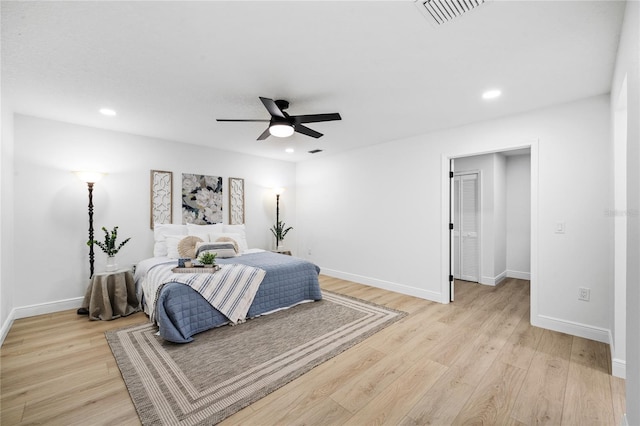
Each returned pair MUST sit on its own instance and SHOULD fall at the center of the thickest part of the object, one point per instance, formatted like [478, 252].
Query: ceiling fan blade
[315, 118]
[306, 131]
[244, 120]
[271, 106]
[264, 135]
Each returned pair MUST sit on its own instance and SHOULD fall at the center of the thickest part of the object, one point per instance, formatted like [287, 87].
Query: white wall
[6, 221]
[628, 69]
[492, 209]
[518, 230]
[375, 215]
[51, 219]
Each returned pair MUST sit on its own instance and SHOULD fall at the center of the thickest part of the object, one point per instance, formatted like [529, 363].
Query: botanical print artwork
[201, 199]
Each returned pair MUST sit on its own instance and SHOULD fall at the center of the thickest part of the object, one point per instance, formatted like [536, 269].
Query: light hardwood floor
[476, 361]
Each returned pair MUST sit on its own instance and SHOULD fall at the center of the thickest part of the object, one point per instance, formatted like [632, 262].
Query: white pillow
[234, 229]
[238, 229]
[203, 231]
[160, 233]
[239, 238]
[172, 246]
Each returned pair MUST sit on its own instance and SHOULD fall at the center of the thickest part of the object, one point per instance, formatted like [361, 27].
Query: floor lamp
[278, 192]
[90, 178]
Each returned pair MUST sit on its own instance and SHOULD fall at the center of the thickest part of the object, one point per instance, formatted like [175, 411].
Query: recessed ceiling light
[491, 94]
[289, 150]
[107, 111]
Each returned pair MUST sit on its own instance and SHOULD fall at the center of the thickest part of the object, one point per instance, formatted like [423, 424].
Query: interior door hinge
[451, 226]
[450, 175]
[450, 278]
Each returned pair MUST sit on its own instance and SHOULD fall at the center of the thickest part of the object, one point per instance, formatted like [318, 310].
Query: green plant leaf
[109, 245]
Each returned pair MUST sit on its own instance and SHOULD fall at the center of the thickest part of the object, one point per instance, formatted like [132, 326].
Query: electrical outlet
[584, 294]
[309, 252]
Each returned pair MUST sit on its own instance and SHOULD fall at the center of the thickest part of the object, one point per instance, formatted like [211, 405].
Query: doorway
[509, 191]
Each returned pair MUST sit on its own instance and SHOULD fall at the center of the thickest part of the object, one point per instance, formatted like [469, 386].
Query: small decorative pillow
[228, 240]
[187, 246]
[238, 238]
[223, 250]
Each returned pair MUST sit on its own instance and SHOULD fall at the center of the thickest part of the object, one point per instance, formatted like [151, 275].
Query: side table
[110, 295]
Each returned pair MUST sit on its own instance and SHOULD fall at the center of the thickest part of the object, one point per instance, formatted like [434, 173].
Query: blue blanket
[181, 312]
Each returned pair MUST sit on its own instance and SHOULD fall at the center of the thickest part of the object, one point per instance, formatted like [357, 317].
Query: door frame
[446, 288]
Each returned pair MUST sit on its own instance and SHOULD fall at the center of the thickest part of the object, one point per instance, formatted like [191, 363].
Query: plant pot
[112, 265]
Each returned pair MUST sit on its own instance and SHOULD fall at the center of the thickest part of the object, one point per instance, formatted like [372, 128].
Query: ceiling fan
[282, 124]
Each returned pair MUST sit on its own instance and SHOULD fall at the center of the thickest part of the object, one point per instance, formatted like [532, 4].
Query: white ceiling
[170, 68]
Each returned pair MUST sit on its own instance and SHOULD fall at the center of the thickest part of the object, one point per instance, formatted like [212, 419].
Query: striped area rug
[228, 368]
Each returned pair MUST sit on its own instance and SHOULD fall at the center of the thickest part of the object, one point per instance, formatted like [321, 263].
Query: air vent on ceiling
[441, 11]
[315, 151]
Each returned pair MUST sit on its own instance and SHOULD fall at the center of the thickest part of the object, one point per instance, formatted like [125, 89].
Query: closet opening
[490, 212]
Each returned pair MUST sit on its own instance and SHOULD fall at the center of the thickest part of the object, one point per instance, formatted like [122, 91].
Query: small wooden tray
[196, 270]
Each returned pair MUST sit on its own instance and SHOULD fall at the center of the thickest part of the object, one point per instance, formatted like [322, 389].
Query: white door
[466, 213]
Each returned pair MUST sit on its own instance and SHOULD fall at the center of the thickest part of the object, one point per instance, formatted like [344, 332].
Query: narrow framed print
[161, 208]
[236, 201]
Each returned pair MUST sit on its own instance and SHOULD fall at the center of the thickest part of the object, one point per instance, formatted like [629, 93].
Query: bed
[181, 312]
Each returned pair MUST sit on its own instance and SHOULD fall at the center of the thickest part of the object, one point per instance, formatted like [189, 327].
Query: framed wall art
[201, 199]
[236, 201]
[161, 208]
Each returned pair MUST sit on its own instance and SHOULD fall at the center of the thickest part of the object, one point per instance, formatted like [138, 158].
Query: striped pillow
[223, 249]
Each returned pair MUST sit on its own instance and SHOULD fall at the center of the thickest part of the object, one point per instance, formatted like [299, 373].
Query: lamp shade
[281, 130]
[90, 177]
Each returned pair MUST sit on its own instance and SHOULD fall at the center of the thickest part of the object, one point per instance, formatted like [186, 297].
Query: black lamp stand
[277, 215]
[91, 255]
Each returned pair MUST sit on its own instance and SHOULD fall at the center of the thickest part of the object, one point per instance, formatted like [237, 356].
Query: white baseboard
[38, 309]
[573, 328]
[619, 368]
[624, 421]
[618, 365]
[519, 275]
[48, 307]
[487, 281]
[386, 285]
[494, 280]
[6, 326]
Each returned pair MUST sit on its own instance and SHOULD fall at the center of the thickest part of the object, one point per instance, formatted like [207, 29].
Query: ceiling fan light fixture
[281, 130]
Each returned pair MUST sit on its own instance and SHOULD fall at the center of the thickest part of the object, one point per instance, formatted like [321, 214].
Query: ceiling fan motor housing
[282, 104]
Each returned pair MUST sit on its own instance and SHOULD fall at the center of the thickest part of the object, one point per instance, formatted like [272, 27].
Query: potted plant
[279, 230]
[109, 247]
[208, 259]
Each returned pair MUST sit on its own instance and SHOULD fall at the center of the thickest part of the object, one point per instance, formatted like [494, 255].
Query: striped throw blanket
[230, 290]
